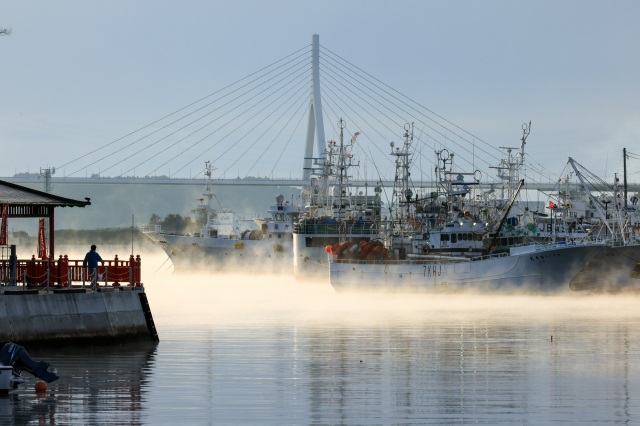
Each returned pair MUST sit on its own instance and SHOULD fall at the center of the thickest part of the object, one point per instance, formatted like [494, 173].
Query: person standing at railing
[91, 260]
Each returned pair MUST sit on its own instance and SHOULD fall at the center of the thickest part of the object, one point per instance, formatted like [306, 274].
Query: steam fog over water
[260, 349]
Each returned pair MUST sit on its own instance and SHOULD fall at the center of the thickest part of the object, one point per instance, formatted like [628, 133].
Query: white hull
[310, 258]
[188, 253]
[310, 261]
[562, 268]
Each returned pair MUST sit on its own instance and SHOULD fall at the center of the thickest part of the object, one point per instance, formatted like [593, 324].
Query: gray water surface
[244, 350]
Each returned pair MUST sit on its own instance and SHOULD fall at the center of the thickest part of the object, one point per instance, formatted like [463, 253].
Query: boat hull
[310, 241]
[550, 270]
[189, 253]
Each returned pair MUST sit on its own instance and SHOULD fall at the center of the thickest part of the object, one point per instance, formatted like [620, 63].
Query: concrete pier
[74, 315]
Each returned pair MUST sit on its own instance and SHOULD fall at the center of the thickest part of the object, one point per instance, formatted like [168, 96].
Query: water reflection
[238, 350]
[324, 358]
[99, 385]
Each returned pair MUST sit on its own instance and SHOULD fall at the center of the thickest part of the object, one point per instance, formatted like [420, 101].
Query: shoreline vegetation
[85, 237]
[113, 236]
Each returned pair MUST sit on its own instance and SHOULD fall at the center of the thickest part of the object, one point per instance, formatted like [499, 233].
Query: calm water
[242, 350]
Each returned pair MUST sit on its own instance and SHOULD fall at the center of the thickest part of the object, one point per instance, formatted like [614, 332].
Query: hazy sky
[78, 74]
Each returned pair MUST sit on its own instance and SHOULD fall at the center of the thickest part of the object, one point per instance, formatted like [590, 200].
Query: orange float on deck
[342, 247]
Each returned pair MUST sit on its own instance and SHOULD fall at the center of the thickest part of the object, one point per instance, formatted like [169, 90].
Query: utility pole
[47, 173]
[624, 164]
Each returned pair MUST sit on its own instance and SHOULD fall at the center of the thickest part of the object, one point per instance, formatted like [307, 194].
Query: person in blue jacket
[91, 260]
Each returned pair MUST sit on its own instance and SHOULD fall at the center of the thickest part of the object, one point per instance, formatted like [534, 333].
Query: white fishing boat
[458, 218]
[532, 268]
[403, 262]
[228, 242]
[333, 212]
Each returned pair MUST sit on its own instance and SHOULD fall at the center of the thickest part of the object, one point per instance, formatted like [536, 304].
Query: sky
[77, 75]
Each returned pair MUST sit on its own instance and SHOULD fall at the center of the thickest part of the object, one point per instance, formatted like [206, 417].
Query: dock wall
[75, 315]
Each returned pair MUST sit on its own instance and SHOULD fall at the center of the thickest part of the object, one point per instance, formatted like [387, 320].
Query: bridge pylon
[315, 125]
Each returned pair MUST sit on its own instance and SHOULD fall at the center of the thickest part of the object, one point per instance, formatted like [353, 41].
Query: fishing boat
[334, 210]
[531, 268]
[402, 261]
[13, 360]
[229, 242]
[457, 217]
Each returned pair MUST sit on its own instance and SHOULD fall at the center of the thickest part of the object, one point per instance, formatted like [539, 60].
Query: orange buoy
[342, 247]
[41, 386]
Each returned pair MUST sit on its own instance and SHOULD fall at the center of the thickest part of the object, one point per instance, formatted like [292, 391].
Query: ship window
[444, 237]
[465, 237]
[454, 238]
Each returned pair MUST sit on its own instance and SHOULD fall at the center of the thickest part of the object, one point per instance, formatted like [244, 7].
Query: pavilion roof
[16, 195]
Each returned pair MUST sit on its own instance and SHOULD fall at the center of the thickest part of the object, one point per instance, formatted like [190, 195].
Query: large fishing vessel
[333, 212]
[605, 258]
[532, 268]
[229, 242]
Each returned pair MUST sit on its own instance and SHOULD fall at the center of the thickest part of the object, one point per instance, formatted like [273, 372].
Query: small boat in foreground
[13, 360]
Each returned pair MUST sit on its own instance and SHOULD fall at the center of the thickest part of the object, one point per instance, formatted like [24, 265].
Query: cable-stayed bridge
[542, 186]
[272, 128]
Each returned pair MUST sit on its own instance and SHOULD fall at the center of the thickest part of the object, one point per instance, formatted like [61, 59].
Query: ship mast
[342, 171]
[595, 202]
[208, 191]
[509, 168]
[402, 193]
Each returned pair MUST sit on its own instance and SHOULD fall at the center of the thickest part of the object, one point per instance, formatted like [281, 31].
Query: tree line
[170, 223]
[177, 223]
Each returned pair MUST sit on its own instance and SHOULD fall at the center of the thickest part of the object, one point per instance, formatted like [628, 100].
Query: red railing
[64, 272]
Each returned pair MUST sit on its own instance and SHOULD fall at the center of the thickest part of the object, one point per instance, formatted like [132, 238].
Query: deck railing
[419, 260]
[362, 228]
[64, 272]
